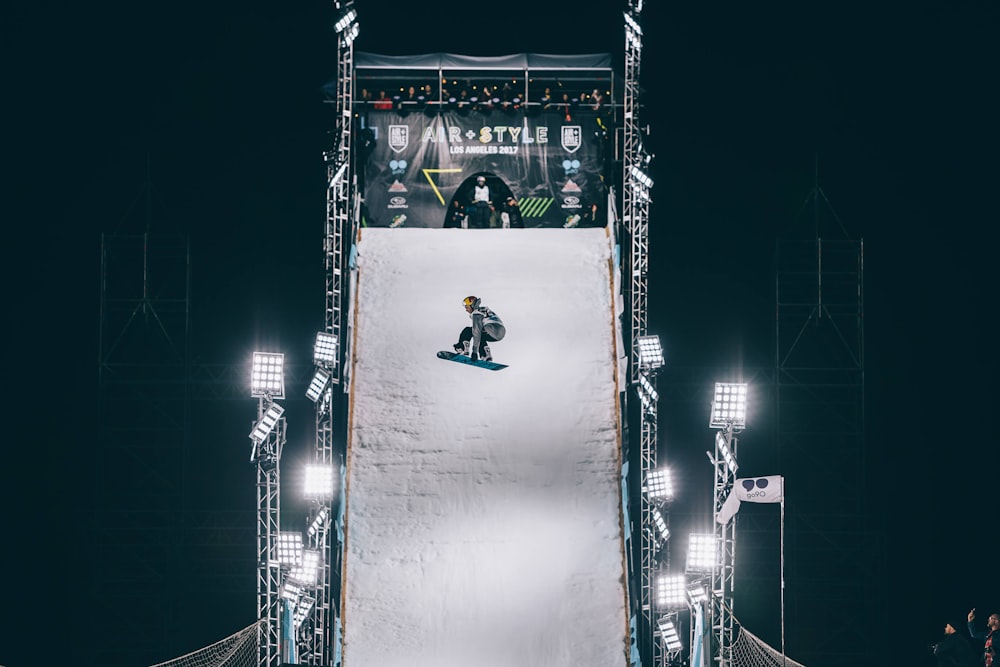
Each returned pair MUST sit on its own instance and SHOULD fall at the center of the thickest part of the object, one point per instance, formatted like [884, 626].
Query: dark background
[217, 108]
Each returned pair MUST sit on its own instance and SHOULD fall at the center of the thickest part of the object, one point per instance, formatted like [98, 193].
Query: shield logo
[399, 137]
[571, 137]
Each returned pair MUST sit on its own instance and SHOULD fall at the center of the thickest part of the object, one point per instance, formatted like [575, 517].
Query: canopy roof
[516, 61]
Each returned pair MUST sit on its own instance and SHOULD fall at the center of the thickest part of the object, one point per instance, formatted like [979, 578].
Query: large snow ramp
[483, 518]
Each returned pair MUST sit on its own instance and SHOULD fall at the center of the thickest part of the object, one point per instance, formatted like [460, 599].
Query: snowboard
[462, 359]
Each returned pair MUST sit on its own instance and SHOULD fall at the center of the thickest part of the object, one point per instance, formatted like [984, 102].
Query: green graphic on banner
[416, 166]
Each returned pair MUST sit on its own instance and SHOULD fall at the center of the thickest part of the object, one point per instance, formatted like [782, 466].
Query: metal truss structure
[720, 607]
[636, 186]
[820, 413]
[266, 454]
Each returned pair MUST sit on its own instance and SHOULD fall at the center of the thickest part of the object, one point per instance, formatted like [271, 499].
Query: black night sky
[220, 105]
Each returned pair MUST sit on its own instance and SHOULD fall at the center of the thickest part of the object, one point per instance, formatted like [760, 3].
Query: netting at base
[751, 651]
[236, 650]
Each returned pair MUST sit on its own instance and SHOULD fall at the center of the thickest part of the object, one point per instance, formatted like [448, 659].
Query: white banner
[770, 489]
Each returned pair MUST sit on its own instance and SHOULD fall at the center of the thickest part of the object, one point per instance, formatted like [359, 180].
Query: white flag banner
[769, 489]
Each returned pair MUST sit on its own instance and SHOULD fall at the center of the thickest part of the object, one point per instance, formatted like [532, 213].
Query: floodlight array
[697, 593]
[308, 572]
[345, 21]
[293, 592]
[668, 630]
[302, 608]
[729, 407]
[325, 348]
[658, 484]
[288, 549]
[267, 377]
[722, 445]
[661, 524]
[318, 385]
[703, 552]
[263, 428]
[650, 352]
[318, 481]
[671, 591]
[648, 395]
[318, 522]
[642, 177]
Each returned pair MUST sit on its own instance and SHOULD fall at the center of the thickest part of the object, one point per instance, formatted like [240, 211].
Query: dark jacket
[955, 651]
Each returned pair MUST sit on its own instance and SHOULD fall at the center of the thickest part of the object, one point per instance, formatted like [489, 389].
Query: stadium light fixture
[318, 522]
[697, 593]
[338, 176]
[267, 377]
[642, 177]
[729, 406]
[290, 591]
[668, 630]
[661, 524]
[319, 383]
[303, 606]
[263, 428]
[318, 481]
[345, 21]
[671, 591]
[658, 485]
[650, 352]
[648, 395]
[632, 23]
[722, 446]
[288, 548]
[703, 552]
[325, 348]
[308, 572]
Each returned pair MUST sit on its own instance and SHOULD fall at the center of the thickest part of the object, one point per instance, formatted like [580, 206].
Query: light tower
[267, 383]
[729, 409]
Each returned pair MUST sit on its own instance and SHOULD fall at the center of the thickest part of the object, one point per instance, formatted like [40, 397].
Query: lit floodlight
[668, 630]
[345, 20]
[318, 481]
[661, 524]
[267, 377]
[658, 484]
[650, 352]
[703, 553]
[318, 385]
[729, 407]
[325, 348]
[338, 175]
[632, 24]
[302, 608]
[263, 428]
[350, 34]
[671, 591]
[290, 591]
[642, 177]
[697, 593]
[647, 394]
[308, 572]
[722, 445]
[318, 522]
[288, 549]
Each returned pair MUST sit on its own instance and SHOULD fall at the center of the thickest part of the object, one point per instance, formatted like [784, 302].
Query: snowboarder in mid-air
[487, 327]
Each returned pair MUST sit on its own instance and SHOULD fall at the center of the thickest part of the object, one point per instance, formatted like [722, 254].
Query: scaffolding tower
[834, 551]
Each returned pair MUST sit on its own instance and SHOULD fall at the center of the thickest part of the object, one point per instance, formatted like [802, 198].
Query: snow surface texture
[483, 509]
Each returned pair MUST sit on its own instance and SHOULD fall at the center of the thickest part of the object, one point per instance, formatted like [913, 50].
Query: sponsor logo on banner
[398, 202]
[571, 137]
[571, 202]
[399, 138]
[571, 187]
[397, 187]
[397, 167]
[571, 167]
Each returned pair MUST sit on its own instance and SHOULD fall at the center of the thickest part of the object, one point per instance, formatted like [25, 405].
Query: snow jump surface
[483, 519]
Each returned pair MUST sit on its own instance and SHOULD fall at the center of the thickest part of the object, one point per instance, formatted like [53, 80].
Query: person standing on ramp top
[487, 327]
